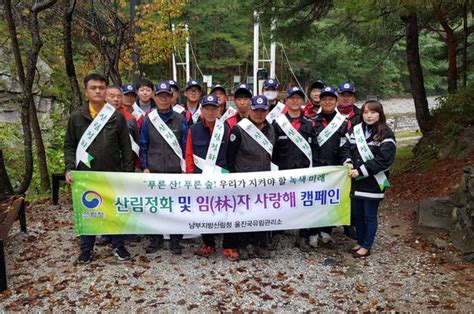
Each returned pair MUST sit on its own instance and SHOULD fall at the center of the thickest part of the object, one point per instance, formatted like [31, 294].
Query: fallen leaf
[450, 305]
[208, 292]
[266, 297]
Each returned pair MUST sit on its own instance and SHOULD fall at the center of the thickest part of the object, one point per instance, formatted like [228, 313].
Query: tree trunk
[451, 44]
[40, 151]
[6, 188]
[464, 46]
[135, 53]
[68, 55]
[25, 116]
[36, 46]
[415, 72]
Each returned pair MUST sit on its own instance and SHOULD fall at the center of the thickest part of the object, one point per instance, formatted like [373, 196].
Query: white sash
[91, 133]
[178, 108]
[230, 112]
[295, 137]
[135, 146]
[272, 115]
[137, 111]
[168, 135]
[209, 164]
[201, 164]
[330, 129]
[259, 137]
[366, 155]
[196, 115]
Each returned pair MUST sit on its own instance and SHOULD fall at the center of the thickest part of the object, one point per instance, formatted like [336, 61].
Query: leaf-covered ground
[406, 272]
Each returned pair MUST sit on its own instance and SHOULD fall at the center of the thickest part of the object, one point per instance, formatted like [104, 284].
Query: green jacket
[111, 148]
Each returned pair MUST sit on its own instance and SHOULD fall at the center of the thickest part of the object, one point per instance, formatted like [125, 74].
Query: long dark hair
[381, 125]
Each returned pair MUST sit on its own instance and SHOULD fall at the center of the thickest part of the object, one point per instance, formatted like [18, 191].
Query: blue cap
[128, 88]
[259, 102]
[318, 84]
[347, 87]
[295, 90]
[163, 87]
[269, 83]
[174, 84]
[328, 91]
[193, 83]
[243, 89]
[210, 99]
[217, 87]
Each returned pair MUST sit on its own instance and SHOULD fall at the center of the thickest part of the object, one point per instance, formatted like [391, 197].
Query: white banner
[136, 203]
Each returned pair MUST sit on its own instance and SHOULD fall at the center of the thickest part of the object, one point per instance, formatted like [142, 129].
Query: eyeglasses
[193, 91]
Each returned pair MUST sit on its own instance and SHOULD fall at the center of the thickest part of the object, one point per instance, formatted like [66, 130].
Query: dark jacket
[197, 143]
[244, 154]
[286, 155]
[355, 117]
[155, 153]
[111, 148]
[329, 153]
[384, 156]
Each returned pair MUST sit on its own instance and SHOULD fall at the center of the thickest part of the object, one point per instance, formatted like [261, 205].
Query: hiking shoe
[244, 253]
[85, 257]
[121, 253]
[175, 247]
[302, 244]
[313, 240]
[272, 246]
[326, 238]
[205, 250]
[155, 244]
[262, 252]
[231, 254]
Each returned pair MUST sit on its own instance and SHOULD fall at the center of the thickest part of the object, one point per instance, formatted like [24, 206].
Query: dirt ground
[411, 268]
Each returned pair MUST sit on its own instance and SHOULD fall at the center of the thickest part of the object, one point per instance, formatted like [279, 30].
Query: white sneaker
[313, 240]
[326, 237]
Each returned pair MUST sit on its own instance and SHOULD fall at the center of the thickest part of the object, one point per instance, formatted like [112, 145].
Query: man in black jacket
[110, 151]
[245, 154]
[288, 155]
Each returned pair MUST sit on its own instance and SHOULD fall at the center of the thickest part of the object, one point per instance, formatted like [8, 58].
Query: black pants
[230, 240]
[257, 238]
[86, 242]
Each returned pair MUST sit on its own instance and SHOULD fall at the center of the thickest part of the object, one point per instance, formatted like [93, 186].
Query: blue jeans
[364, 213]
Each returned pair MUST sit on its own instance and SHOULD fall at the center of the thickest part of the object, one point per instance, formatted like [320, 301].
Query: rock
[440, 243]
[330, 262]
[10, 91]
[435, 212]
[469, 258]
[462, 231]
[460, 147]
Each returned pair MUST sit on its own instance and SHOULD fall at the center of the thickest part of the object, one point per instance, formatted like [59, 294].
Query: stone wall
[462, 228]
[10, 90]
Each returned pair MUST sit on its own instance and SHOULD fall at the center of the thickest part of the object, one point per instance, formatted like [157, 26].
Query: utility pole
[256, 28]
[188, 69]
[175, 71]
[273, 50]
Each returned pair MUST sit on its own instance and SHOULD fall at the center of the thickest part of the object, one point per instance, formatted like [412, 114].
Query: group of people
[143, 128]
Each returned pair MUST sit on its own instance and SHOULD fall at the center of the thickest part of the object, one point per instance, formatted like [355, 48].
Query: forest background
[388, 48]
